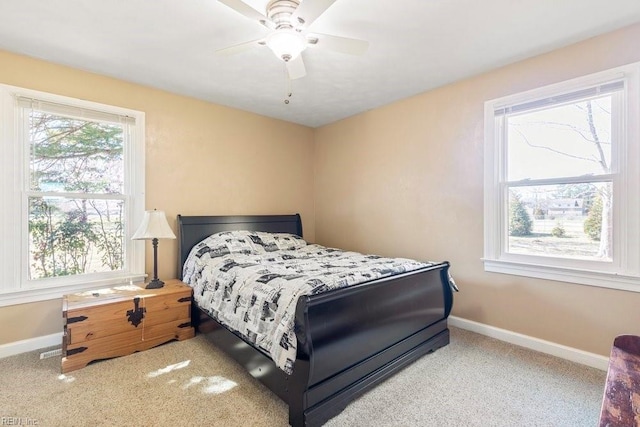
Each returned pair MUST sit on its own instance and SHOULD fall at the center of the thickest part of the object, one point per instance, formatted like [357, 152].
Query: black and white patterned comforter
[251, 282]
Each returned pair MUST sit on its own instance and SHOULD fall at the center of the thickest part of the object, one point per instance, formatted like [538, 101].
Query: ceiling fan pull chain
[288, 89]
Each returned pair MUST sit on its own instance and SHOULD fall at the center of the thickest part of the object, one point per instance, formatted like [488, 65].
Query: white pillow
[247, 242]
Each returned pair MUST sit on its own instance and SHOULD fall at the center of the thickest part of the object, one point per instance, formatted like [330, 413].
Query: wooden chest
[122, 320]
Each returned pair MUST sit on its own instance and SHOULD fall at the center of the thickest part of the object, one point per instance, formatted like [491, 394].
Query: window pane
[74, 236]
[564, 141]
[568, 221]
[72, 155]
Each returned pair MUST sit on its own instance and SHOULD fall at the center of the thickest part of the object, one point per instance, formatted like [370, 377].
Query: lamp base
[155, 284]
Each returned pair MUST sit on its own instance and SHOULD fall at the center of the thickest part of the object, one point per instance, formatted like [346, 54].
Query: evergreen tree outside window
[519, 219]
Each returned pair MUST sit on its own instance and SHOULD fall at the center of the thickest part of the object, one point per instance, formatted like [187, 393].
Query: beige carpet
[475, 381]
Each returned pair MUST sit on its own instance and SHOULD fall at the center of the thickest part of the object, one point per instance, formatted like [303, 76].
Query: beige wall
[407, 179]
[403, 180]
[201, 159]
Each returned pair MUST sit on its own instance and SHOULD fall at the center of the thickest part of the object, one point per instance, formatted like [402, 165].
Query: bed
[348, 339]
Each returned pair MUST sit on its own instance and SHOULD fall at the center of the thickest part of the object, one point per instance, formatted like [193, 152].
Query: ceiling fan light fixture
[286, 44]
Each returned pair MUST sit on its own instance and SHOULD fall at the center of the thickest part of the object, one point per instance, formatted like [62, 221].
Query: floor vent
[51, 353]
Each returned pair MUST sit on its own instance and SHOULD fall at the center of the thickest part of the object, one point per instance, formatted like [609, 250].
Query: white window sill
[563, 274]
[25, 296]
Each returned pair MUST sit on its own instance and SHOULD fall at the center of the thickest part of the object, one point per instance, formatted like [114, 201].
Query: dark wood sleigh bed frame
[349, 339]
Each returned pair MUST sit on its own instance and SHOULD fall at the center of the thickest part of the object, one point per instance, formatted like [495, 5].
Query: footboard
[352, 338]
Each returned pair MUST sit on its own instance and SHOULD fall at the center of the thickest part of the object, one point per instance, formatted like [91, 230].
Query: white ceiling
[415, 45]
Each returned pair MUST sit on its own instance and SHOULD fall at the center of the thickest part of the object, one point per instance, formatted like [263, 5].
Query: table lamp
[154, 226]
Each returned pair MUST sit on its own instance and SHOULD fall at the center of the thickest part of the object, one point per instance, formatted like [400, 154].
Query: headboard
[194, 229]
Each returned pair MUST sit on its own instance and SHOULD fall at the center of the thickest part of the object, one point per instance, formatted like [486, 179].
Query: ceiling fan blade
[231, 50]
[339, 44]
[296, 68]
[309, 11]
[247, 11]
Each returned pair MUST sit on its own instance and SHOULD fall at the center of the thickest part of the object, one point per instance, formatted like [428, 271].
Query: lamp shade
[154, 226]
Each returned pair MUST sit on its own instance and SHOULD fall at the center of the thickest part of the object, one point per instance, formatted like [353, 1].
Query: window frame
[624, 270]
[15, 285]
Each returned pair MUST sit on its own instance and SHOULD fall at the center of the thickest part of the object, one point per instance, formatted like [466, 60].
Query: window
[72, 195]
[561, 178]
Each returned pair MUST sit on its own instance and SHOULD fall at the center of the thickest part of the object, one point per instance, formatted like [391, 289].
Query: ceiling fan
[289, 21]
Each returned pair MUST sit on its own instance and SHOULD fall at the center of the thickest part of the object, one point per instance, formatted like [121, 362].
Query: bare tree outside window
[559, 170]
[564, 159]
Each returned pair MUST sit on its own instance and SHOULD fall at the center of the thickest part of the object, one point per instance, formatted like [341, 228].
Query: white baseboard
[579, 356]
[31, 344]
[573, 354]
